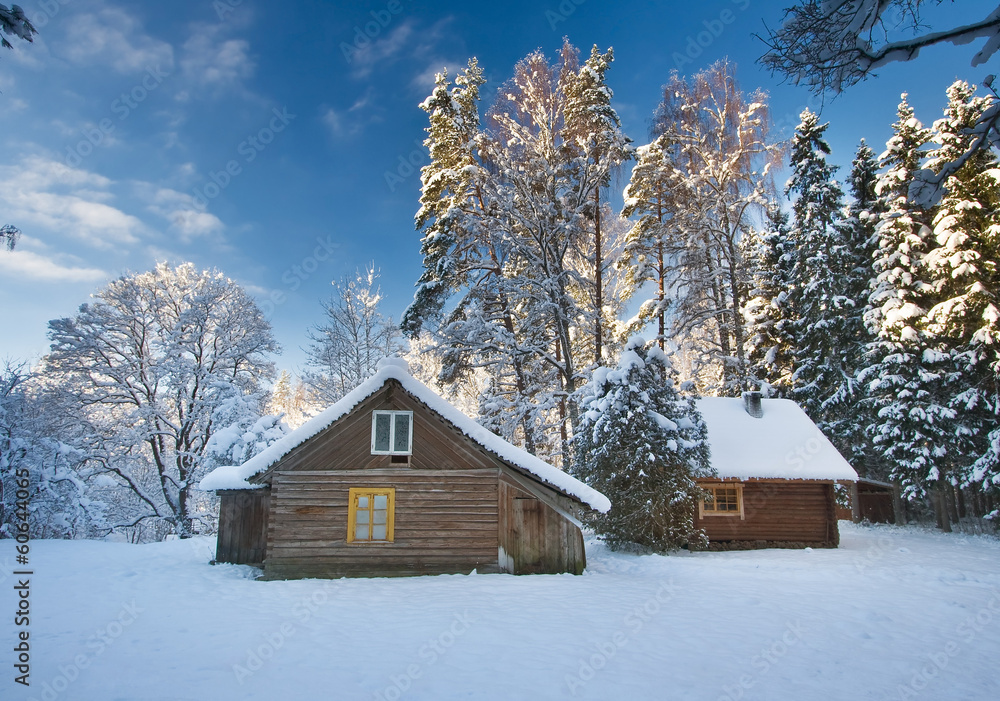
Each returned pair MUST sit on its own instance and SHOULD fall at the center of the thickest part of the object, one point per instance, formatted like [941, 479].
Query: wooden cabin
[775, 476]
[393, 480]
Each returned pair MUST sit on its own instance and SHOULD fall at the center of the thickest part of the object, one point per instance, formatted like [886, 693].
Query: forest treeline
[873, 309]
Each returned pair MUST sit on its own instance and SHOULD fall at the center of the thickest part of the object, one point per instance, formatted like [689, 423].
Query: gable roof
[783, 444]
[237, 476]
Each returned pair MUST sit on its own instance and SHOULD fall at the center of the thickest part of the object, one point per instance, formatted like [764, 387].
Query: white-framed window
[392, 432]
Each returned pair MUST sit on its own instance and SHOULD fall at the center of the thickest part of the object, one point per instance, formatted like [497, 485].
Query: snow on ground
[894, 613]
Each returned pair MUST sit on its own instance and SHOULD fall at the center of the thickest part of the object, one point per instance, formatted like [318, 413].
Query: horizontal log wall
[242, 537]
[781, 511]
[445, 522]
[448, 504]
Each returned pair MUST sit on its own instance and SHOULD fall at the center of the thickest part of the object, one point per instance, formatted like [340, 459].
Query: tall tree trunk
[734, 287]
[941, 506]
[952, 503]
[660, 272]
[521, 385]
[563, 433]
[598, 278]
[568, 368]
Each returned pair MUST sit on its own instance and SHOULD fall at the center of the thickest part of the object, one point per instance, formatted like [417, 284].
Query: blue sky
[255, 138]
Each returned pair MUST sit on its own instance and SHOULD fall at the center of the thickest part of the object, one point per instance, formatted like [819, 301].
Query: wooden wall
[445, 504]
[453, 505]
[535, 538]
[875, 503]
[781, 511]
[445, 522]
[242, 537]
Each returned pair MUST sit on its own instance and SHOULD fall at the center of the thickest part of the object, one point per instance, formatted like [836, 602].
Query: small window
[392, 432]
[722, 500]
[370, 515]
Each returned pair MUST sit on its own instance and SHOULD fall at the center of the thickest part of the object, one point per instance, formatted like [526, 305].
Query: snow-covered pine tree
[281, 393]
[828, 327]
[452, 201]
[965, 280]
[593, 131]
[770, 257]
[859, 221]
[642, 445]
[289, 399]
[906, 370]
[466, 255]
[37, 475]
[508, 215]
[244, 432]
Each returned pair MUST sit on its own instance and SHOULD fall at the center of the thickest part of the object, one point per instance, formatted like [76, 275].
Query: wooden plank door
[529, 536]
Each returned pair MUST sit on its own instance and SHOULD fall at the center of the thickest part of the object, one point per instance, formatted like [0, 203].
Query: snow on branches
[830, 45]
[642, 445]
[144, 368]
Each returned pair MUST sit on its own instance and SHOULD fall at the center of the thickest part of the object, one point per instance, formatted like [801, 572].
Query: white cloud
[37, 173]
[343, 123]
[69, 201]
[179, 208]
[33, 266]
[208, 60]
[112, 37]
[335, 121]
[424, 80]
[381, 50]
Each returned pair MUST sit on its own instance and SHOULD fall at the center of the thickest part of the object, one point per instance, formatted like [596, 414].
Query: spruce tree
[770, 256]
[964, 277]
[824, 355]
[642, 445]
[859, 221]
[906, 366]
[594, 133]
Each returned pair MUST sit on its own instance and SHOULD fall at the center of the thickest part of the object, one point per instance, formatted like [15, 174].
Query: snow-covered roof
[783, 444]
[236, 476]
